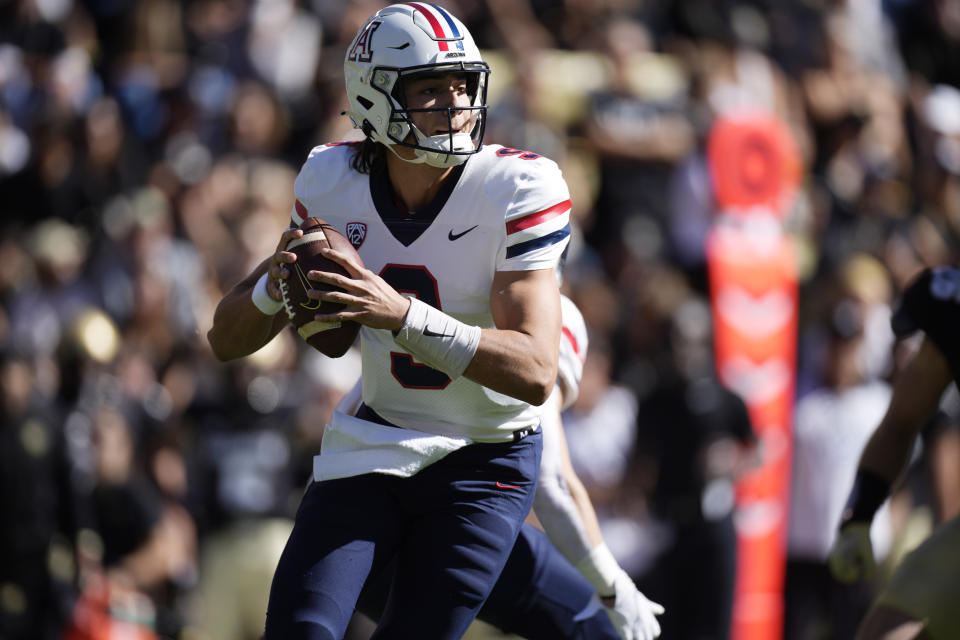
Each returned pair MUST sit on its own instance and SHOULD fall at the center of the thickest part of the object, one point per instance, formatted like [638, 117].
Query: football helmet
[405, 40]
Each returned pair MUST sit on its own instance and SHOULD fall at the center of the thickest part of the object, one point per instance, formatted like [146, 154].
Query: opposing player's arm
[519, 357]
[248, 316]
[916, 394]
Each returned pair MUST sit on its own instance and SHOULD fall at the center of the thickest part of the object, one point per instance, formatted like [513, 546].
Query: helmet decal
[361, 51]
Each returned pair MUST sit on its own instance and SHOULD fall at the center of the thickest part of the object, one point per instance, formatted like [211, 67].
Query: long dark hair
[366, 155]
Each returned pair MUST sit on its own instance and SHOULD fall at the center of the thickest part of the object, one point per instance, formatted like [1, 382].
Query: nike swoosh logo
[500, 485]
[455, 236]
[434, 334]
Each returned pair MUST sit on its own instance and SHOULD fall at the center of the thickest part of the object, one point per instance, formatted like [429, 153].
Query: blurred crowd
[148, 150]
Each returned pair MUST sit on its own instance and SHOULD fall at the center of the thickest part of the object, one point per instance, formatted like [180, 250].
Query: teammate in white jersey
[461, 321]
[564, 508]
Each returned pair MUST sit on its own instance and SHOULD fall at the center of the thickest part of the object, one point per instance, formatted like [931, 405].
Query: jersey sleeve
[324, 168]
[931, 303]
[537, 213]
[573, 350]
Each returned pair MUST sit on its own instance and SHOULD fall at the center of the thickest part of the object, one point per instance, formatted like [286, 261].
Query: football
[332, 340]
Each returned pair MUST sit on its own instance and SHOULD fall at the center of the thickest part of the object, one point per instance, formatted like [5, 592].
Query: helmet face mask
[462, 144]
[401, 43]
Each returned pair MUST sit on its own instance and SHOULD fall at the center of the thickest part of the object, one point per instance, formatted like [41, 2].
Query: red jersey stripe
[533, 219]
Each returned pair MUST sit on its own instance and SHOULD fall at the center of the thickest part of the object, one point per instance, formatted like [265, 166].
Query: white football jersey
[573, 350]
[508, 211]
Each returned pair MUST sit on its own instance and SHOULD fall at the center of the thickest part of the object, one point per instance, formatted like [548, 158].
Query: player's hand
[369, 299]
[278, 269]
[851, 557]
[632, 614]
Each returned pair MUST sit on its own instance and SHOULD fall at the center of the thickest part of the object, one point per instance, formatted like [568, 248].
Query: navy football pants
[449, 529]
[538, 596]
[541, 596]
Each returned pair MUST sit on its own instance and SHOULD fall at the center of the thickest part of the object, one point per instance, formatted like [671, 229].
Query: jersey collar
[405, 226]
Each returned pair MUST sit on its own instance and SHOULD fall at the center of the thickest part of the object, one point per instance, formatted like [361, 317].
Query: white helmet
[400, 41]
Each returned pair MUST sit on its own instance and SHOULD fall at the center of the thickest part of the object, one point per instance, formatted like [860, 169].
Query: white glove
[851, 557]
[632, 614]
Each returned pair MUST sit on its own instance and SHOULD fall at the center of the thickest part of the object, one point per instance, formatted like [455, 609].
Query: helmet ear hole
[399, 93]
[366, 103]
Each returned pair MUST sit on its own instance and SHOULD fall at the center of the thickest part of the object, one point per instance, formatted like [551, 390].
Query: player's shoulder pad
[325, 167]
[931, 299]
[523, 182]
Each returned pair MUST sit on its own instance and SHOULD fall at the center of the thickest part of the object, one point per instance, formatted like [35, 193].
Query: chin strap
[417, 159]
[440, 158]
[435, 156]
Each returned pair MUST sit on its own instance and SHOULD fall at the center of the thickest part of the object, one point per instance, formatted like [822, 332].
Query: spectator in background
[936, 124]
[639, 131]
[831, 426]
[148, 542]
[41, 511]
[694, 438]
[928, 35]
[600, 425]
[52, 289]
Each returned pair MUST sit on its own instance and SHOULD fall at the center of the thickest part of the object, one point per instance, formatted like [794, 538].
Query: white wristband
[601, 569]
[438, 340]
[267, 305]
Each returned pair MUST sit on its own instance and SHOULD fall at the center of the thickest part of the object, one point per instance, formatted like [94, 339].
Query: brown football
[335, 340]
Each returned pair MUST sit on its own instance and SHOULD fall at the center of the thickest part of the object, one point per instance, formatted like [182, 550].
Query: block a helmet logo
[361, 51]
[356, 233]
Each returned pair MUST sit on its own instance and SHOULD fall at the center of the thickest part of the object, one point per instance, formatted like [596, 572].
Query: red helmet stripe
[432, 19]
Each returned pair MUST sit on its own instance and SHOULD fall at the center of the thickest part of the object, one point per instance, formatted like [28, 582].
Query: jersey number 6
[418, 281]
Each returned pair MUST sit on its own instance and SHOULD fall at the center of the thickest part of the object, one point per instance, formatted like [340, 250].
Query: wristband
[601, 569]
[266, 304]
[436, 339]
[868, 493]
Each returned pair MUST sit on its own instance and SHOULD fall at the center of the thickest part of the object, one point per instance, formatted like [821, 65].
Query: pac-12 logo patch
[356, 233]
[361, 50]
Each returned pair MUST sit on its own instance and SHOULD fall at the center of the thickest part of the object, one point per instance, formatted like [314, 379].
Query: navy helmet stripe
[446, 16]
[538, 243]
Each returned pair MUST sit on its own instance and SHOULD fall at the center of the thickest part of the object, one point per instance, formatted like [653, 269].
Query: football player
[539, 595]
[460, 315]
[920, 600]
